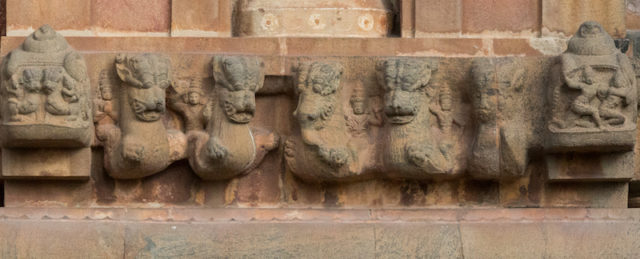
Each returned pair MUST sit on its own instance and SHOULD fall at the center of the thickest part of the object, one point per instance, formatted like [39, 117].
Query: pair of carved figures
[45, 92]
[593, 96]
[335, 144]
[218, 141]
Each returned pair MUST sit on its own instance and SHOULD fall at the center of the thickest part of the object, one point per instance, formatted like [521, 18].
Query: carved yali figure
[411, 149]
[322, 153]
[140, 145]
[500, 146]
[230, 147]
[44, 94]
[593, 95]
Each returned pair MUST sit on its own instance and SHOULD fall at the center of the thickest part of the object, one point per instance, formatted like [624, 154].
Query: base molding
[478, 233]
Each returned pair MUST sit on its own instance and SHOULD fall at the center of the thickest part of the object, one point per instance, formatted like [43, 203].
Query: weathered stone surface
[565, 16]
[370, 18]
[46, 163]
[24, 16]
[111, 17]
[595, 167]
[250, 240]
[201, 18]
[436, 16]
[500, 15]
[418, 240]
[78, 239]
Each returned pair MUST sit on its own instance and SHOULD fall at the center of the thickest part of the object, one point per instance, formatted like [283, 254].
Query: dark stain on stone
[104, 185]
[481, 192]
[413, 193]
[331, 199]
[173, 185]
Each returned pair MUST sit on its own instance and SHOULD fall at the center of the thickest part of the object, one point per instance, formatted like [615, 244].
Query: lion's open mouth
[148, 113]
[242, 117]
[239, 116]
[400, 117]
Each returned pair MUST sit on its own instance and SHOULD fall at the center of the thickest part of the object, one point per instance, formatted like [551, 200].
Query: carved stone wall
[288, 110]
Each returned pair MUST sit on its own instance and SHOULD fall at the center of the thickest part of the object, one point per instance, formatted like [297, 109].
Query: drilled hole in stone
[268, 22]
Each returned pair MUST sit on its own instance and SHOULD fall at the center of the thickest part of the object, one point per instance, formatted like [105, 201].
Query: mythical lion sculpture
[411, 149]
[323, 153]
[230, 147]
[140, 145]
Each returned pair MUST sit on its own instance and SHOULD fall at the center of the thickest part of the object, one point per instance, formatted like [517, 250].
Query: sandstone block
[565, 16]
[201, 18]
[113, 17]
[500, 15]
[437, 16]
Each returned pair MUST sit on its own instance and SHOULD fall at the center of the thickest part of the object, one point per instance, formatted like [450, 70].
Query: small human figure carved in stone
[104, 111]
[230, 147]
[190, 105]
[24, 92]
[360, 117]
[52, 87]
[617, 96]
[604, 78]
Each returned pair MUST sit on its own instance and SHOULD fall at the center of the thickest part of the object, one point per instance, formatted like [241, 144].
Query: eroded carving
[593, 95]
[323, 153]
[140, 145]
[230, 147]
[412, 150]
[45, 91]
[499, 149]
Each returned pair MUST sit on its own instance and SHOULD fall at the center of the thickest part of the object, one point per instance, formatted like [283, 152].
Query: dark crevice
[3, 18]
[1, 193]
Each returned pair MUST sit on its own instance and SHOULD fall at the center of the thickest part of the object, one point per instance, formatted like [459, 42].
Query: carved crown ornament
[392, 117]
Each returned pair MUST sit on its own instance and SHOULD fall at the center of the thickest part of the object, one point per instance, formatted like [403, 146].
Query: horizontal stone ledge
[285, 215]
[579, 238]
[436, 47]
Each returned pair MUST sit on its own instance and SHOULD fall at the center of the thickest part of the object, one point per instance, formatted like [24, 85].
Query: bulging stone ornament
[500, 147]
[411, 149]
[45, 91]
[322, 153]
[229, 147]
[593, 96]
[140, 144]
[46, 116]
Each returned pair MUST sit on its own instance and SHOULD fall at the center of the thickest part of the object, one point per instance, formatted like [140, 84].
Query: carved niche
[229, 147]
[593, 96]
[46, 126]
[592, 123]
[45, 94]
[499, 149]
[415, 147]
[322, 152]
[138, 144]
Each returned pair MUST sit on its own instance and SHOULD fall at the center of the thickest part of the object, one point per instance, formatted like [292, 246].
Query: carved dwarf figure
[45, 91]
[230, 147]
[361, 117]
[103, 106]
[140, 145]
[593, 91]
[190, 105]
[323, 153]
[412, 151]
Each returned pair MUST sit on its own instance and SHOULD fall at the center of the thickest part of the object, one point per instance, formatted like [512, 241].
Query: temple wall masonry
[203, 128]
